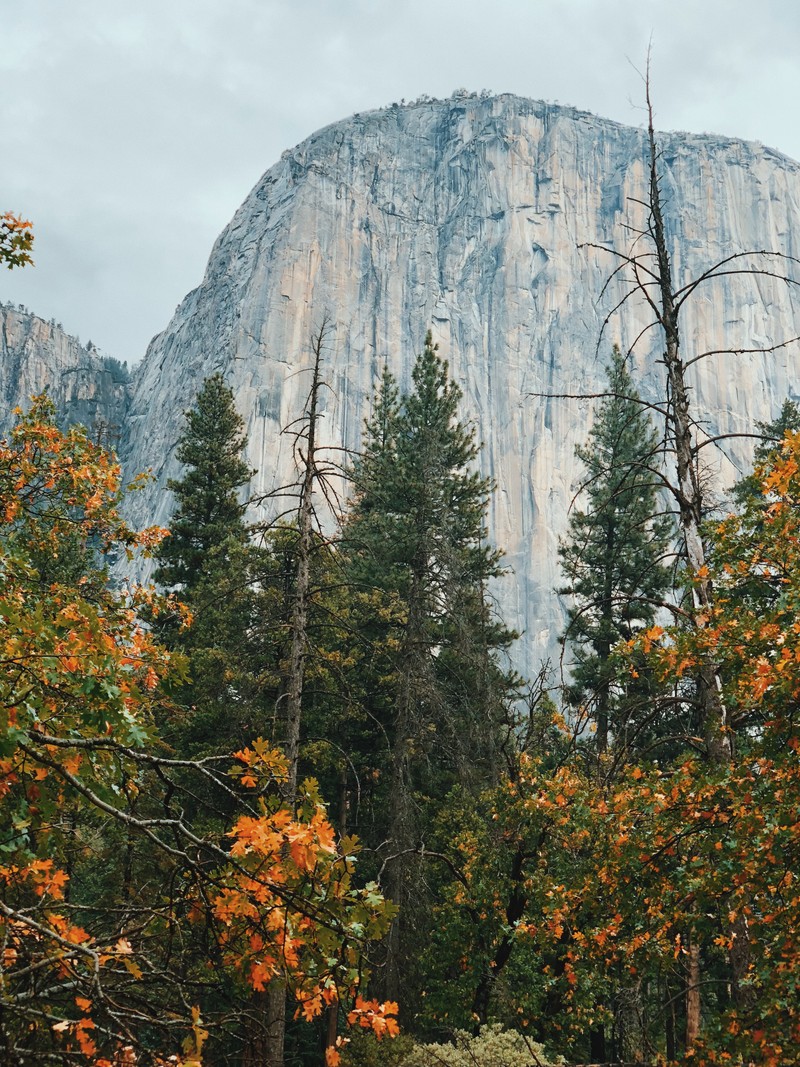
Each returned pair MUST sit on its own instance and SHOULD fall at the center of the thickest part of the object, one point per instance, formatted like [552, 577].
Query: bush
[364, 1050]
[493, 1047]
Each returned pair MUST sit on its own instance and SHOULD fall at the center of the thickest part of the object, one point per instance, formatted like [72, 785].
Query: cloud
[132, 132]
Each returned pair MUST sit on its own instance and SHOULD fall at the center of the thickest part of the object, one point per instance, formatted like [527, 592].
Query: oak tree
[125, 926]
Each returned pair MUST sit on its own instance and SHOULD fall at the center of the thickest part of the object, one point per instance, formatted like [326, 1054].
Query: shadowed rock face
[85, 386]
[476, 217]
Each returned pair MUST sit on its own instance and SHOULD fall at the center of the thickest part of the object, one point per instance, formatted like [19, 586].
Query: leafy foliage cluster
[491, 1047]
[16, 240]
[131, 909]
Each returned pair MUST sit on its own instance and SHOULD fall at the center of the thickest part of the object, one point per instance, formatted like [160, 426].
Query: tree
[293, 674]
[613, 559]
[628, 877]
[125, 927]
[209, 517]
[16, 240]
[255, 606]
[706, 853]
[208, 557]
[649, 270]
[415, 531]
[415, 545]
[250, 602]
[772, 435]
[307, 448]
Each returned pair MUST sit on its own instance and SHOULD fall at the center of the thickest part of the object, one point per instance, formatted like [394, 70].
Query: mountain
[478, 217]
[86, 386]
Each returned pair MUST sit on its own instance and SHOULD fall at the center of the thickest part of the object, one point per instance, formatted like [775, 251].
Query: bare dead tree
[306, 454]
[647, 267]
[267, 1039]
[651, 273]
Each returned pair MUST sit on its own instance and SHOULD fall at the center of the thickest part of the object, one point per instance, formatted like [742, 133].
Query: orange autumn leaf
[82, 698]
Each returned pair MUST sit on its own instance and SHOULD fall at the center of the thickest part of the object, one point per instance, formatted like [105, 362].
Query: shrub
[493, 1047]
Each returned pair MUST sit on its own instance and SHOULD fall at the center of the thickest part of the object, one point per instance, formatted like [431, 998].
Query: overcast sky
[131, 130]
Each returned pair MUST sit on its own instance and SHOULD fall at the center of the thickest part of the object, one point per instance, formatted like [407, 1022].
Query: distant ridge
[38, 355]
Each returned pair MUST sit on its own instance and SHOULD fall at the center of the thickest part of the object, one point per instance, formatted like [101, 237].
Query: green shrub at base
[493, 1047]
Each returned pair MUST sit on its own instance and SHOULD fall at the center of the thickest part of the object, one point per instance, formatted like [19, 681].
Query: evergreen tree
[209, 513]
[613, 557]
[748, 494]
[208, 557]
[416, 553]
[416, 533]
[749, 487]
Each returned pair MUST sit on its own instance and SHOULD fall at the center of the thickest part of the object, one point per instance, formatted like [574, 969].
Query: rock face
[86, 387]
[477, 218]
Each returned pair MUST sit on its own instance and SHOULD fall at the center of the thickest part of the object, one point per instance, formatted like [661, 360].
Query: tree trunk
[265, 1042]
[597, 1045]
[743, 996]
[714, 724]
[692, 995]
[515, 909]
[305, 523]
[401, 815]
[265, 1027]
[604, 648]
[688, 491]
[670, 1024]
[332, 1013]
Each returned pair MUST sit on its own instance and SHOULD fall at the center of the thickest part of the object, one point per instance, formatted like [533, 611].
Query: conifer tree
[749, 487]
[209, 512]
[416, 531]
[613, 555]
[748, 494]
[208, 558]
[416, 549]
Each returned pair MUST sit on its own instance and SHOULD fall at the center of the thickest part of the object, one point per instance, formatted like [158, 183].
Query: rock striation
[38, 356]
[479, 218]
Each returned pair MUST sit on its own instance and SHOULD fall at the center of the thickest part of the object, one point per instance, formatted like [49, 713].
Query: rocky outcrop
[38, 356]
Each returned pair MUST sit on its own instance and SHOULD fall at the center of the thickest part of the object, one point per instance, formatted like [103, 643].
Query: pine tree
[613, 556]
[416, 550]
[749, 487]
[416, 532]
[209, 559]
[209, 513]
[748, 495]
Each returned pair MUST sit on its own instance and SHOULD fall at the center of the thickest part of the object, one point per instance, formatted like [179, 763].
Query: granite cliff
[476, 217]
[86, 386]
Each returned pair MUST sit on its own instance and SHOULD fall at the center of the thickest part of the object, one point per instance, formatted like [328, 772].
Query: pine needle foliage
[613, 555]
[209, 511]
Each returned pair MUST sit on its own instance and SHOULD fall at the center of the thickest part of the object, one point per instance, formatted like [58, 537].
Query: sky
[131, 130]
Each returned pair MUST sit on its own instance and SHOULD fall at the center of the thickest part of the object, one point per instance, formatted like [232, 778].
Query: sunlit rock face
[37, 356]
[477, 218]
